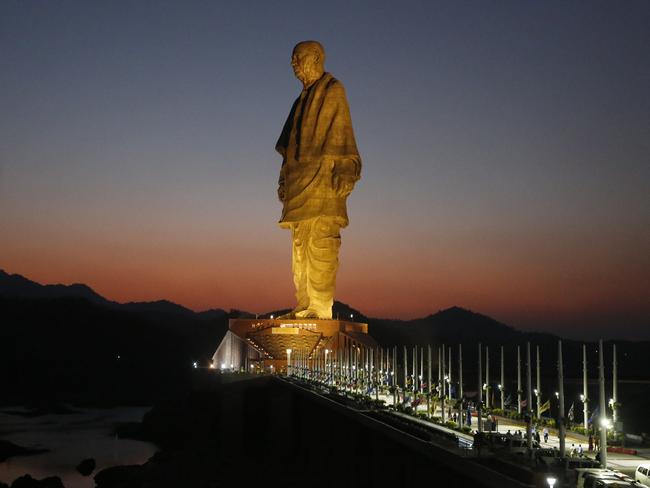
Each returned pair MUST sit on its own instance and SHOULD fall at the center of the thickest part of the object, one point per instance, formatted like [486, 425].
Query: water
[70, 439]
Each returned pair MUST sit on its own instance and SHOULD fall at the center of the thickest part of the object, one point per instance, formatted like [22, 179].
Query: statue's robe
[317, 142]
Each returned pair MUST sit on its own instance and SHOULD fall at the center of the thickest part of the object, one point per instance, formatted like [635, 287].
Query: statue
[320, 165]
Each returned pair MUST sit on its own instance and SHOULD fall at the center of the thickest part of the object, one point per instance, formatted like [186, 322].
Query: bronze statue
[320, 165]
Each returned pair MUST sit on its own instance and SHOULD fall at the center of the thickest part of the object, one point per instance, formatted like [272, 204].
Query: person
[572, 452]
[580, 450]
[509, 434]
[545, 431]
[591, 442]
[320, 166]
[537, 437]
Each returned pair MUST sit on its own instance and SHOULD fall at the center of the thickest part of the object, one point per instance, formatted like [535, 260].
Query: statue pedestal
[266, 341]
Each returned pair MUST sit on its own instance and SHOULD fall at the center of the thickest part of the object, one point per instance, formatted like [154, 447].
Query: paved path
[623, 462]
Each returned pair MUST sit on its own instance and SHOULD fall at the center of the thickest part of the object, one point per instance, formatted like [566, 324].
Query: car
[614, 483]
[642, 473]
[598, 477]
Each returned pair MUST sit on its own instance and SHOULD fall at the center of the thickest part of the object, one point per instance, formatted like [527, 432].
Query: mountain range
[70, 342]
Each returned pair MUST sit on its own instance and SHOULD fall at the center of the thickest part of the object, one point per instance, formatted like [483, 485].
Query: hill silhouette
[68, 343]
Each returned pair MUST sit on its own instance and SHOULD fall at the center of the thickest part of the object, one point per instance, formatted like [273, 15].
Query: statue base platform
[265, 342]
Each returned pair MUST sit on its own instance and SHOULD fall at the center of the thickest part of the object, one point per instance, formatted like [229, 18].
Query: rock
[87, 466]
[9, 449]
[27, 481]
[130, 476]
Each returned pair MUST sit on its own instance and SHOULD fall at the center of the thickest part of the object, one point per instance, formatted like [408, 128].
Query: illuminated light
[582, 397]
[557, 395]
[500, 387]
[212, 366]
[611, 402]
[271, 316]
[195, 365]
[535, 392]
[551, 481]
[606, 423]
[232, 366]
[223, 365]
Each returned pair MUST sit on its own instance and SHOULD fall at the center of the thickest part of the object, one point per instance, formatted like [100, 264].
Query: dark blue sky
[505, 146]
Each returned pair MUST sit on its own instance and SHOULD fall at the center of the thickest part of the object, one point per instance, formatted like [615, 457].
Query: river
[70, 438]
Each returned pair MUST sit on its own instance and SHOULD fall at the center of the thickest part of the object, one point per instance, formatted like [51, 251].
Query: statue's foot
[306, 314]
[287, 316]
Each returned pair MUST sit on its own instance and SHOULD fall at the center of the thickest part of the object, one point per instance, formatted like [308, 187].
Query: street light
[288, 359]
[557, 395]
[551, 481]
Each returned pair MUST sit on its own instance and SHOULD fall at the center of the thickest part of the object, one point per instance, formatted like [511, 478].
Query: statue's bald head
[314, 48]
[308, 61]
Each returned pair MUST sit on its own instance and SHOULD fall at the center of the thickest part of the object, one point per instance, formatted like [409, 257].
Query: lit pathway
[623, 462]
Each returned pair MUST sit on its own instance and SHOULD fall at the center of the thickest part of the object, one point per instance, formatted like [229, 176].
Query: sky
[505, 148]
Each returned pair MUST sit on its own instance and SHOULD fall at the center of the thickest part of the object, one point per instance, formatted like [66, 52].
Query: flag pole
[519, 390]
[480, 388]
[560, 380]
[529, 399]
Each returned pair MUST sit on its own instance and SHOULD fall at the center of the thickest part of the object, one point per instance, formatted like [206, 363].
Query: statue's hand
[342, 185]
[281, 193]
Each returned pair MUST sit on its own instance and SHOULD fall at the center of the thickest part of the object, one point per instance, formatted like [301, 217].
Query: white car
[642, 473]
[603, 478]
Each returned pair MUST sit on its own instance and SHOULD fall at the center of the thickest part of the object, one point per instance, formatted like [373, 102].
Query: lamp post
[529, 400]
[614, 386]
[288, 362]
[560, 396]
[603, 413]
[519, 390]
[327, 351]
[538, 391]
[502, 382]
[480, 389]
[584, 397]
[487, 377]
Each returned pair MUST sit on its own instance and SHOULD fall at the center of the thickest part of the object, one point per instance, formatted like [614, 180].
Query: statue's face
[304, 64]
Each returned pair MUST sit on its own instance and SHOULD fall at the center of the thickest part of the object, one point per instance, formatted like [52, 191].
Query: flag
[545, 406]
[570, 414]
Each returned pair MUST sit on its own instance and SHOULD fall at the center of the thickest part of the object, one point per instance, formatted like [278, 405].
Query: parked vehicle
[601, 478]
[642, 473]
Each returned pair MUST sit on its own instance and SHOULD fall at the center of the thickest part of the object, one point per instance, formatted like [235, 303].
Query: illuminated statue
[320, 166]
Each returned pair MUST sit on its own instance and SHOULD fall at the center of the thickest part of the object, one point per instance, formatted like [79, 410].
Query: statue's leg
[322, 258]
[300, 235]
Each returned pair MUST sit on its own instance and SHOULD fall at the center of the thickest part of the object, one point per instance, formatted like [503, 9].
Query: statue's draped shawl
[324, 127]
[317, 141]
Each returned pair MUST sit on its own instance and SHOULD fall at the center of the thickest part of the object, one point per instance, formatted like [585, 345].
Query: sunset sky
[506, 153]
